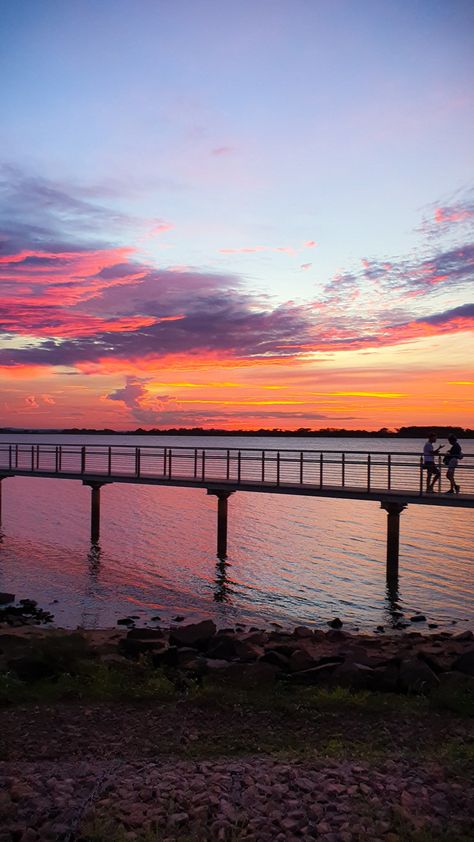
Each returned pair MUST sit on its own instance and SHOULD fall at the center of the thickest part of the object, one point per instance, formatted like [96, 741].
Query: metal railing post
[16, 456]
[56, 460]
[369, 464]
[83, 460]
[321, 469]
[301, 468]
[263, 466]
[389, 471]
[195, 462]
[421, 475]
[109, 461]
[164, 460]
[278, 467]
[9, 457]
[203, 475]
[343, 466]
[32, 457]
[239, 466]
[170, 451]
[227, 472]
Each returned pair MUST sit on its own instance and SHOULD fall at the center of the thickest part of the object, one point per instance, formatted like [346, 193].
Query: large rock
[247, 676]
[146, 634]
[247, 650]
[465, 663]
[353, 675]
[316, 675]
[279, 660]
[416, 677]
[195, 634]
[222, 646]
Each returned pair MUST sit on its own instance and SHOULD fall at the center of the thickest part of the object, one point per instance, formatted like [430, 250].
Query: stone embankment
[410, 663]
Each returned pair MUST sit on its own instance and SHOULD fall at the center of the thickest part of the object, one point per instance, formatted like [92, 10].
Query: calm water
[292, 560]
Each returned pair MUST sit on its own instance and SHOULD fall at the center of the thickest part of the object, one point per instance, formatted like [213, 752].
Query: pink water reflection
[290, 560]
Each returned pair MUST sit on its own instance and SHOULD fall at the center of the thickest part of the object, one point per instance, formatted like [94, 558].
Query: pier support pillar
[95, 509]
[222, 497]
[393, 536]
[1, 499]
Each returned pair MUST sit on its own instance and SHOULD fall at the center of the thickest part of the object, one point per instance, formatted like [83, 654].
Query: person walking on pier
[432, 471]
[451, 459]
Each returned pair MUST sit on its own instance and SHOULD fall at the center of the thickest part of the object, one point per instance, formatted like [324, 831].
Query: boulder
[465, 635]
[336, 635]
[194, 634]
[353, 675]
[301, 660]
[302, 631]
[222, 646]
[246, 650]
[146, 634]
[276, 658]
[416, 677]
[336, 623]
[247, 676]
[315, 675]
[465, 663]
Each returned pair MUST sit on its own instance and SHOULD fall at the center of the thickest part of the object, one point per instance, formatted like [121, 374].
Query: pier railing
[317, 469]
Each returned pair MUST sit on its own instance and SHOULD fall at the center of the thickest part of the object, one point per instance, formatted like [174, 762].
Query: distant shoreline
[303, 432]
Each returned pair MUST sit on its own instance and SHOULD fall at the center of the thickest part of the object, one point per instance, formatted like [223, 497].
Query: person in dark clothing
[429, 464]
[451, 459]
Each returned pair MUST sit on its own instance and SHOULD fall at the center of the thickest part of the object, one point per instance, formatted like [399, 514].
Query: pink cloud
[222, 150]
[310, 244]
[306, 266]
[31, 402]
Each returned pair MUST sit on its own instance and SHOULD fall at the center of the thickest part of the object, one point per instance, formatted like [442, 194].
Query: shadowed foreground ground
[110, 749]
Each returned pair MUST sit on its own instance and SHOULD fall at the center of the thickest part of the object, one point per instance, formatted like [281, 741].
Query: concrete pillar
[222, 497]
[95, 509]
[393, 536]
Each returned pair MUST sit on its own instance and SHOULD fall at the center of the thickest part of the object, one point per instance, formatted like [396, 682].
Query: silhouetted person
[432, 471]
[451, 459]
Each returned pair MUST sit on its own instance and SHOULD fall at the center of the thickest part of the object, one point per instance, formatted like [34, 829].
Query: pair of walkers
[450, 459]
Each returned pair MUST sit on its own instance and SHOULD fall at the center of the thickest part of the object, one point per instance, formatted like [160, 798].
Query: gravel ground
[260, 799]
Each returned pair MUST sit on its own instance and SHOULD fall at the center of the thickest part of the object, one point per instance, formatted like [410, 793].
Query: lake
[291, 560]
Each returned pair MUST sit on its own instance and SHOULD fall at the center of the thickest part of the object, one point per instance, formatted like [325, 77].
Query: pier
[393, 480]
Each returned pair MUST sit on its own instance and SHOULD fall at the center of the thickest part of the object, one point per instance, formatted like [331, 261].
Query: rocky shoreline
[234, 735]
[412, 663]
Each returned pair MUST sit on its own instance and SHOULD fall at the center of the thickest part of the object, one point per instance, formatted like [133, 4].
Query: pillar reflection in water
[222, 592]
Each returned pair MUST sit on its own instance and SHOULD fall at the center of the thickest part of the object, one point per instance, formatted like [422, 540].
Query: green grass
[91, 682]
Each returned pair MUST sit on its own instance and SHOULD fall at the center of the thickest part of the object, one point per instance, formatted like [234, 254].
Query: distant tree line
[306, 432]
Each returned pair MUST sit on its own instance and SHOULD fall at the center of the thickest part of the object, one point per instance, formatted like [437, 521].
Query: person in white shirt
[432, 470]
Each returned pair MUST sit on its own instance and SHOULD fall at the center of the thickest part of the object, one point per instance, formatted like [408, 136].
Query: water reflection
[222, 591]
[90, 606]
[392, 596]
[93, 558]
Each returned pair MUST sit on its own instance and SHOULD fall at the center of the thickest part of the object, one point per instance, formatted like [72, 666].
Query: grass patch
[90, 682]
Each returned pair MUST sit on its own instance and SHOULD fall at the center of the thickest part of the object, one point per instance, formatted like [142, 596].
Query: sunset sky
[236, 213]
